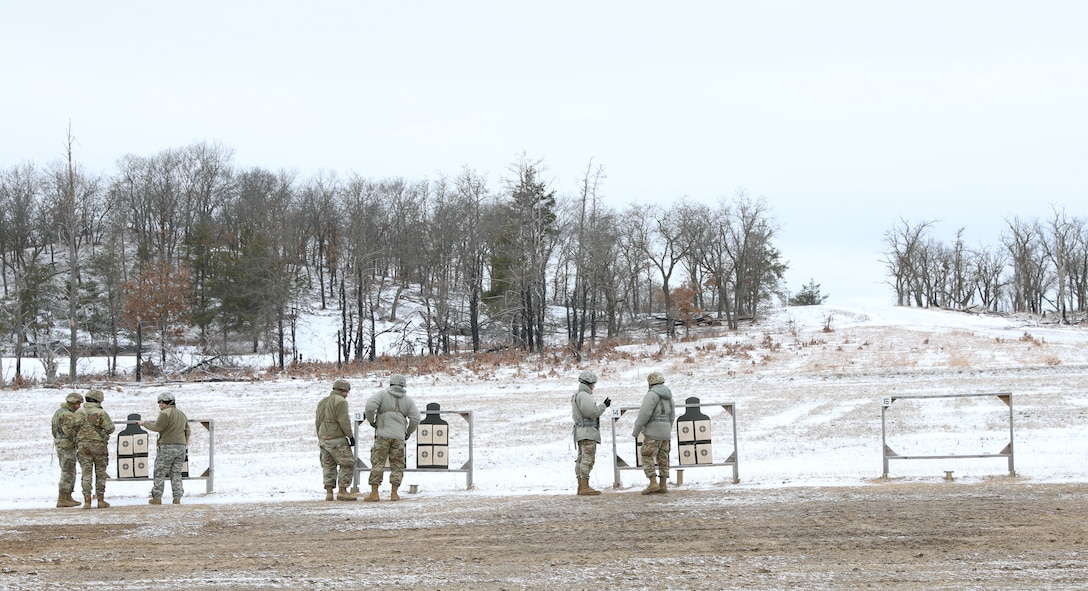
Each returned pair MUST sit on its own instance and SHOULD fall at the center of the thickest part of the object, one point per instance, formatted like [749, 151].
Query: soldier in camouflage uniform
[91, 427]
[173, 428]
[394, 417]
[655, 419]
[334, 437]
[66, 449]
[587, 430]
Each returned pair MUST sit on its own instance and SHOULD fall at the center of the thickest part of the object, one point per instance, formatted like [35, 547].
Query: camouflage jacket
[90, 424]
[61, 419]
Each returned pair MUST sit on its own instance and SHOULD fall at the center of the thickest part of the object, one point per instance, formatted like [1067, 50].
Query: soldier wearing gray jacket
[654, 422]
[394, 417]
[587, 429]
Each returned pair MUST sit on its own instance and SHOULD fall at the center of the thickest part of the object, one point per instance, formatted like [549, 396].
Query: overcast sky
[845, 116]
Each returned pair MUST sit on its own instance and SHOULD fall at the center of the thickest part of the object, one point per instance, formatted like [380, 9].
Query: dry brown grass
[957, 358]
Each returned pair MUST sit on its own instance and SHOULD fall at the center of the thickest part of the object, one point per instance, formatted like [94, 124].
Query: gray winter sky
[844, 115]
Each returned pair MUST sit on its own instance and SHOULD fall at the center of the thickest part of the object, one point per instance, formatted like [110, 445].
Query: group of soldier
[654, 424]
[394, 417]
[81, 431]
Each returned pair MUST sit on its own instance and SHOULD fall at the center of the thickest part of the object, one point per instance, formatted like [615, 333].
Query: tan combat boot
[662, 484]
[86, 501]
[66, 500]
[176, 501]
[344, 495]
[328, 494]
[652, 487]
[102, 504]
[373, 496]
[154, 501]
[393, 496]
[585, 490]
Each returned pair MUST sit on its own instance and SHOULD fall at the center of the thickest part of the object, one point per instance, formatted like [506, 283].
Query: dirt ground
[1002, 534]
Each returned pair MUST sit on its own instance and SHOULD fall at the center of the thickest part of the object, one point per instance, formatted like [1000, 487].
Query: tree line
[184, 247]
[1039, 266]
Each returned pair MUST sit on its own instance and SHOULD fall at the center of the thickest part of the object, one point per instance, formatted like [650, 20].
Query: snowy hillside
[807, 384]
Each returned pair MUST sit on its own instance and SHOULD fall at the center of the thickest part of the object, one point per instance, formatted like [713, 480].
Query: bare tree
[958, 263]
[24, 238]
[581, 305]
[366, 239]
[319, 201]
[633, 264]
[659, 235]
[987, 276]
[608, 271]
[1061, 242]
[904, 260]
[71, 192]
[716, 260]
[1027, 254]
[757, 264]
[1078, 271]
[473, 197]
[696, 224]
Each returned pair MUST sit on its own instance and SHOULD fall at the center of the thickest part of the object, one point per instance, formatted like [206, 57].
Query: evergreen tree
[809, 295]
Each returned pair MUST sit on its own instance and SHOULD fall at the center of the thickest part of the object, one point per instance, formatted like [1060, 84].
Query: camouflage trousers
[587, 456]
[169, 457]
[386, 448]
[337, 463]
[93, 458]
[67, 459]
[655, 453]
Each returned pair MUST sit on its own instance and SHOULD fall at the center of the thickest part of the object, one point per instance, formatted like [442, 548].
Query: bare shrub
[21, 382]
[1027, 338]
[150, 370]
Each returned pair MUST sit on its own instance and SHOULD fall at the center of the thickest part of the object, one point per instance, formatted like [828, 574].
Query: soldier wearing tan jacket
[334, 437]
[173, 428]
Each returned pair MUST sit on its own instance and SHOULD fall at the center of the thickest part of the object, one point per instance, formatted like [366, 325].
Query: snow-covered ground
[807, 385]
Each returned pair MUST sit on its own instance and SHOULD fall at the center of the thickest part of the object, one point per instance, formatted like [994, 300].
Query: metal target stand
[208, 476]
[618, 463]
[362, 466]
[890, 454]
